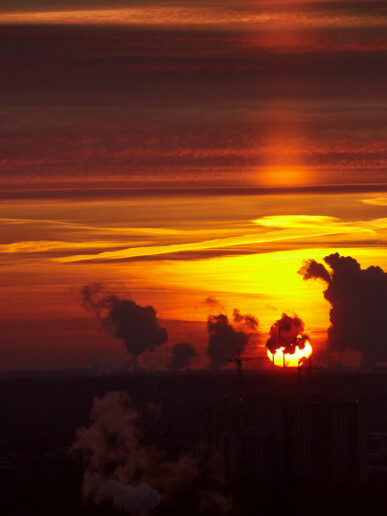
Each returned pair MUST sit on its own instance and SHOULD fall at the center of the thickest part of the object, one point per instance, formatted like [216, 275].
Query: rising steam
[123, 467]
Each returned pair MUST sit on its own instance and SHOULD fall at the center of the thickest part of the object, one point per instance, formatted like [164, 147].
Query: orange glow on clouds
[189, 16]
[283, 176]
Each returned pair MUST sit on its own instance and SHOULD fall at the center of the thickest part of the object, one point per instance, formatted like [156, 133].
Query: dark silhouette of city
[311, 443]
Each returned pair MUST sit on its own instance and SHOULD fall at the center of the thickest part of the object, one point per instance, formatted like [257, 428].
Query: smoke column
[287, 333]
[182, 354]
[136, 325]
[358, 299]
[224, 341]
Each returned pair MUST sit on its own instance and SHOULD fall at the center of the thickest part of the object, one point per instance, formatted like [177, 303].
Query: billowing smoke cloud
[287, 333]
[136, 325]
[313, 269]
[182, 354]
[358, 298]
[224, 341]
[123, 467]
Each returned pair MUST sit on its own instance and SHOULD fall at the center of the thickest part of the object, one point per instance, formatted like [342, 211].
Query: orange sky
[174, 252]
[175, 151]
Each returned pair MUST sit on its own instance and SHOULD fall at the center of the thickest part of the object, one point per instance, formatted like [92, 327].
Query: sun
[291, 360]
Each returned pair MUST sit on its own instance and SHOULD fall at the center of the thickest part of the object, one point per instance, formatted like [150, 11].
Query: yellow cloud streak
[297, 221]
[306, 227]
[376, 201]
[41, 246]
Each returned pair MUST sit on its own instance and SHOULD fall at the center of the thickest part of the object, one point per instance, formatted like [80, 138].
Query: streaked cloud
[207, 106]
[44, 246]
[183, 17]
[296, 227]
[376, 201]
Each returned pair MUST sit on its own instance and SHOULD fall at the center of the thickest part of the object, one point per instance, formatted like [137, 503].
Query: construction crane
[239, 363]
